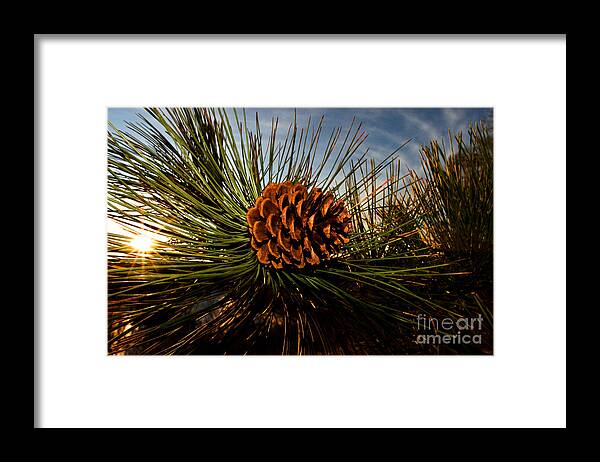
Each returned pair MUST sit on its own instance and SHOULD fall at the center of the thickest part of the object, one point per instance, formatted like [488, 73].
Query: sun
[141, 243]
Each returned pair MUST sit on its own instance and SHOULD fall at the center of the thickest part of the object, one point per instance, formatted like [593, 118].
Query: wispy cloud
[419, 124]
[453, 116]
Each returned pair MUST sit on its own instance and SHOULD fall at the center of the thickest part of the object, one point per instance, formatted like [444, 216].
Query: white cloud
[422, 124]
[453, 116]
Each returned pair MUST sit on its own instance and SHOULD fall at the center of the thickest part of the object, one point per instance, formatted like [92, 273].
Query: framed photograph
[289, 231]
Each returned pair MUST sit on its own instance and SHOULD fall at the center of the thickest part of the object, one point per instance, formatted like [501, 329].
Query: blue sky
[388, 128]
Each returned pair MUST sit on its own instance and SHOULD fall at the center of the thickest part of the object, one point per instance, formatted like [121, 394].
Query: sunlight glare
[142, 243]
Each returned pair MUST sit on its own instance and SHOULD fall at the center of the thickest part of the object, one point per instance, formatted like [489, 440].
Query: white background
[523, 384]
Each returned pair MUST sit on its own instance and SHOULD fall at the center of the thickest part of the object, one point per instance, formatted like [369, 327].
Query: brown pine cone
[291, 227]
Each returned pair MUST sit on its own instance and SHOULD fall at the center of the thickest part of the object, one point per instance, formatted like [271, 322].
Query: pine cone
[292, 228]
